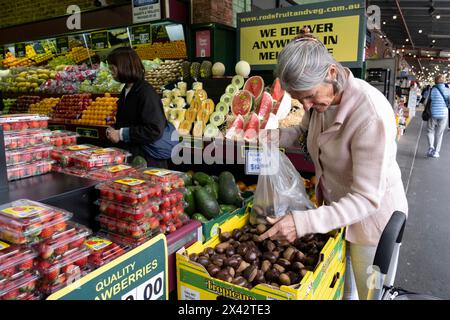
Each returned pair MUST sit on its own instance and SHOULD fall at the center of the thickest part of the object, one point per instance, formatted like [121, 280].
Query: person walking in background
[425, 93]
[439, 116]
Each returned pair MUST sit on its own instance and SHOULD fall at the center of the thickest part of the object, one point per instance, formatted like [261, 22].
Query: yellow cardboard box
[194, 282]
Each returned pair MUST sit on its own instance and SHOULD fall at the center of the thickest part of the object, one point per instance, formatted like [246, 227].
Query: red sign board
[203, 44]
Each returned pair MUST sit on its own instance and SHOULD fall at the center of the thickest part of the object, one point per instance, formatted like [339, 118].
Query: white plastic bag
[280, 188]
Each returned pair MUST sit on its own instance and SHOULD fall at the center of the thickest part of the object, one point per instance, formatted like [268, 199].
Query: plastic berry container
[145, 228]
[171, 199]
[29, 170]
[55, 247]
[129, 241]
[26, 139]
[103, 250]
[63, 138]
[73, 171]
[13, 260]
[22, 287]
[20, 122]
[167, 179]
[91, 159]
[111, 172]
[129, 190]
[70, 266]
[28, 155]
[129, 213]
[28, 222]
[63, 155]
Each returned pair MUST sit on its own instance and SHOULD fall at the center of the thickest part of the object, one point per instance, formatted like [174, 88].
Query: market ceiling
[419, 30]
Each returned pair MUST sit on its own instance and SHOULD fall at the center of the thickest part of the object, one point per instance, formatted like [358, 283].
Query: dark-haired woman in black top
[141, 125]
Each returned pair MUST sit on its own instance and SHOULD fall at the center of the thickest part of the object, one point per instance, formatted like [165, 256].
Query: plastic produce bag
[280, 188]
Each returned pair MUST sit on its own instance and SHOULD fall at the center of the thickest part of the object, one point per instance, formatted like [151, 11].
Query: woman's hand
[113, 135]
[283, 229]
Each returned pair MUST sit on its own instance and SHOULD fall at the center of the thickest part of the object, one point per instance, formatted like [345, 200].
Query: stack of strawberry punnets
[63, 138]
[103, 250]
[128, 209]
[27, 145]
[17, 278]
[25, 224]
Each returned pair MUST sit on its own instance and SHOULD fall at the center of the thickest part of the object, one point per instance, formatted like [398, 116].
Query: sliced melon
[222, 108]
[203, 116]
[200, 93]
[199, 126]
[242, 103]
[211, 131]
[226, 98]
[185, 127]
[217, 119]
[196, 104]
[208, 104]
[255, 85]
[231, 89]
[190, 115]
[238, 81]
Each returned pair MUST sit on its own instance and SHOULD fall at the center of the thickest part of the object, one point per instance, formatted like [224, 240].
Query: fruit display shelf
[87, 133]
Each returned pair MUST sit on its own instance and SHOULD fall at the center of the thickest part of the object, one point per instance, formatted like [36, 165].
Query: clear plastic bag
[280, 188]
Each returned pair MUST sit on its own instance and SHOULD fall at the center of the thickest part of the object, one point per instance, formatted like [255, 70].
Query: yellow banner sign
[260, 45]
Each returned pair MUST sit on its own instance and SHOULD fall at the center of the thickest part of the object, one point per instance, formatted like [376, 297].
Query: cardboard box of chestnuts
[235, 265]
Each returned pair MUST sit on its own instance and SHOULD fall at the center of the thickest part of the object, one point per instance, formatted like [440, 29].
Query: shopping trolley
[381, 280]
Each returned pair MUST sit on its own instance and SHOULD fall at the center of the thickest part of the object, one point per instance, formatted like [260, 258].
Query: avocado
[228, 190]
[199, 217]
[227, 207]
[206, 203]
[201, 178]
[190, 200]
[212, 190]
[187, 180]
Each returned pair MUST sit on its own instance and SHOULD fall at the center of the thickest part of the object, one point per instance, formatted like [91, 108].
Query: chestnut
[230, 251]
[261, 228]
[300, 256]
[224, 236]
[269, 256]
[232, 262]
[259, 278]
[279, 268]
[246, 237]
[303, 272]
[216, 260]
[268, 245]
[250, 256]
[297, 266]
[230, 271]
[272, 275]
[240, 281]
[285, 263]
[284, 279]
[208, 251]
[266, 265]
[250, 273]
[224, 276]
[237, 233]
[242, 249]
[295, 278]
[289, 253]
[193, 257]
[203, 260]
[213, 270]
[242, 266]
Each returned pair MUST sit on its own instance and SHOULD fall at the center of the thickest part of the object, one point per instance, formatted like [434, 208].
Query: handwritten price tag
[253, 162]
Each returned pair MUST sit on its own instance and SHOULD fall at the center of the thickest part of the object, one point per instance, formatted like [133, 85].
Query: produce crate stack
[44, 107]
[71, 107]
[27, 144]
[136, 208]
[42, 249]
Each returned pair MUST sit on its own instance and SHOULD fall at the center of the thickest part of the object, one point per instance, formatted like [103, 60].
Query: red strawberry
[46, 232]
[11, 295]
[60, 227]
[7, 272]
[81, 262]
[26, 265]
[62, 249]
[46, 251]
[171, 228]
[143, 199]
[52, 274]
[154, 223]
[119, 197]
[138, 216]
[76, 243]
[137, 233]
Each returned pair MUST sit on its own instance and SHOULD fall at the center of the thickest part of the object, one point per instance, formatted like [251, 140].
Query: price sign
[87, 132]
[141, 34]
[56, 127]
[37, 46]
[139, 274]
[20, 50]
[100, 40]
[62, 44]
[253, 162]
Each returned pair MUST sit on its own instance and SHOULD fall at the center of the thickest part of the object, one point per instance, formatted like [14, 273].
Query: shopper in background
[141, 125]
[352, 141]
[425, 93]
[439, 116]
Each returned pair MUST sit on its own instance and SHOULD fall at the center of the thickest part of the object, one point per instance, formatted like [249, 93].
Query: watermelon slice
[276, 91]
[242, 103]
[283, 107]
[272, 123]
[236, 130]
[255, 85]
[252, 128]
[265, 106]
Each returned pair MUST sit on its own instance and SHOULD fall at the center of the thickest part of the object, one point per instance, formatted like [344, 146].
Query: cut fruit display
[265, 106]
[199, 126]
[217, 119]
[223, 108]
[211, 131]
[255, 85]
[209, 105]
[283, 107]
[226, 98]
[236, 130]
[252, 128]
[238, 81]
[243, 68]
[276, 91]
[242, 103]
[231, 89]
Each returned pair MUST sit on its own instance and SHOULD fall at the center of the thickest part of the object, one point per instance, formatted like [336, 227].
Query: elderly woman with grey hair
[352, 142]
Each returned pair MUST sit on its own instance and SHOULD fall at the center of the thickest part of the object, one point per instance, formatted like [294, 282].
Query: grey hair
[302, 65]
